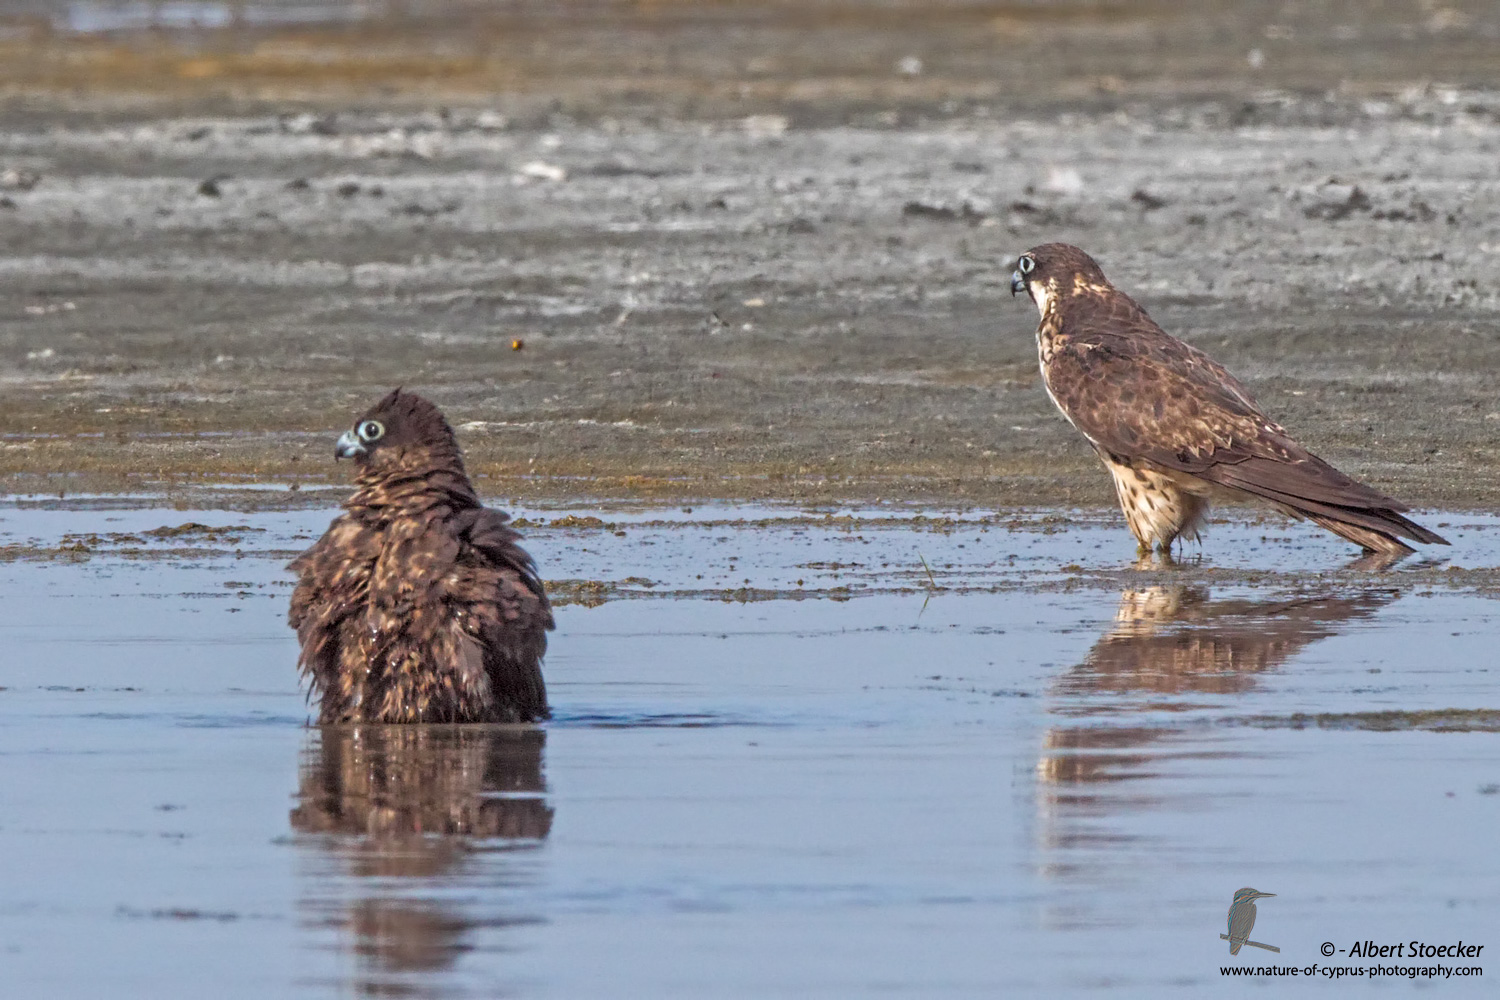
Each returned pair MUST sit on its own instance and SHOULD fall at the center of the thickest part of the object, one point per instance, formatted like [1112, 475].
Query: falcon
[418, 604]
[1174, 429]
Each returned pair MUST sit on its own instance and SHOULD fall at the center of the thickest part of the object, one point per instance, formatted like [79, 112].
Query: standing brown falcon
[418, 605]
[1172, 426]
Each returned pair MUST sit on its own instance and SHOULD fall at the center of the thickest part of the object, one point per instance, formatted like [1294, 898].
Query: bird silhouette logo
[1242, 921]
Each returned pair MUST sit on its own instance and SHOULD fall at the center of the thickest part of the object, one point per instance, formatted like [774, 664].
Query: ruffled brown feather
[418, 604]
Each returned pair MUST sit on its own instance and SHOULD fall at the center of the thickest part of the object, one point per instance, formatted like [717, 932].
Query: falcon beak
[1017, 283]
[349, 446]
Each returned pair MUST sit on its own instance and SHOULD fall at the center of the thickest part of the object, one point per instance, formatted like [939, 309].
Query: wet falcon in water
[1172, 426]
[418, 604]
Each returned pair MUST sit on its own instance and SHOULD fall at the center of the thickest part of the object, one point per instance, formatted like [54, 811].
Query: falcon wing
[1137, 393]
[488, 532]
[333, 579]
[507, 604]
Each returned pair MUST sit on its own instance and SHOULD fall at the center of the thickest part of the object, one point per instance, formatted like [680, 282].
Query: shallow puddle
[811, 753]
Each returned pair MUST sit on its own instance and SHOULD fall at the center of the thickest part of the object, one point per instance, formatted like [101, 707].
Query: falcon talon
[1173, 427]
[418, 604]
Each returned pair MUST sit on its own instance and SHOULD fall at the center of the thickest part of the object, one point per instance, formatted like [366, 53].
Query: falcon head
[1041, 271]
[398, 424]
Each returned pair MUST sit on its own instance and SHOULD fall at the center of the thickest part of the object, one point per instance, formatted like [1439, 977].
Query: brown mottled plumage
[418, 604]
[1172, 426]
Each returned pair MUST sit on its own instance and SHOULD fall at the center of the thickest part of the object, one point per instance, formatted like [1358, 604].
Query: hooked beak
[349, 446]
[1017, 283]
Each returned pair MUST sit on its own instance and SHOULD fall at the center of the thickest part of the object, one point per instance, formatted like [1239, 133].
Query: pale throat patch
[1043, 294]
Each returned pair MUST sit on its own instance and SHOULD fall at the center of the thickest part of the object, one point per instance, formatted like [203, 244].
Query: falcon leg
[1158, 507]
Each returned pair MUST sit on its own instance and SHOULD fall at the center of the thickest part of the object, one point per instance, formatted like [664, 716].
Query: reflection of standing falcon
[419, 604]
[1172, 426]
[1174, 639]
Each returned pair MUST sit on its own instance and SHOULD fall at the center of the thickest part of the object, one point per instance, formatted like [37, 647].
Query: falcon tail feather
[1373, 525]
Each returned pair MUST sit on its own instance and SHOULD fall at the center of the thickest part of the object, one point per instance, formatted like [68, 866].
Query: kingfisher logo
[1242, 921]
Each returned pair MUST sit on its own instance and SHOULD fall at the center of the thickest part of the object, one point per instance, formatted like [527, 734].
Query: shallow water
[786, 760]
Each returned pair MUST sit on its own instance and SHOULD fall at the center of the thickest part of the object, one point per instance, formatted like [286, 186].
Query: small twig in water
[930, 578]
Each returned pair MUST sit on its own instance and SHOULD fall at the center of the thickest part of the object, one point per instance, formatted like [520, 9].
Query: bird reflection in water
[415, 820]
[1174, 640]
[1168, 644]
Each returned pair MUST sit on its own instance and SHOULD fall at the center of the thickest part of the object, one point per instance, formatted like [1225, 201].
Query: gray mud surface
[741, 250]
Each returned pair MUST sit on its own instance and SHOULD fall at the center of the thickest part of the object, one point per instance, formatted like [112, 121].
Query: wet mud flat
[735, 250]
[816, 750]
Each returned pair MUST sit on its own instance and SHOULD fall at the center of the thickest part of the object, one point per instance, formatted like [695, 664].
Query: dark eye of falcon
[370, 431]
[1026, 265]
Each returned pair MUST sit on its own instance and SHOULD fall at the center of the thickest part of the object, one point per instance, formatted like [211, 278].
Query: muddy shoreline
[790, 290]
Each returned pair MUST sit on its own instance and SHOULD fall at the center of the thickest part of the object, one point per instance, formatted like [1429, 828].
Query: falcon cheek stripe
[1043, 294]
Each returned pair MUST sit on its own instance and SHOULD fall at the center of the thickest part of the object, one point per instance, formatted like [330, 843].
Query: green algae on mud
[1453, 720]
[710, 551]
[818, 63]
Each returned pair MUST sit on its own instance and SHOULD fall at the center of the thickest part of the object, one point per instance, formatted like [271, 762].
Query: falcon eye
[370, 430]
[1026, 265]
